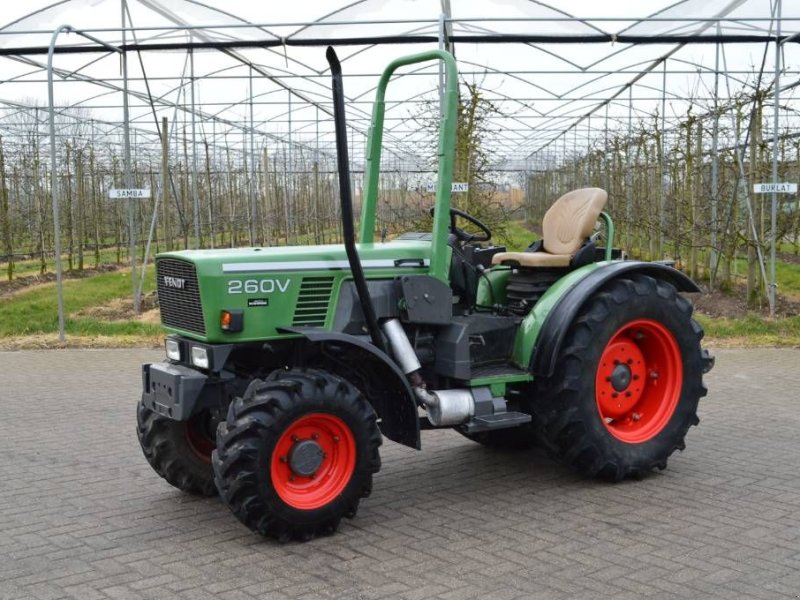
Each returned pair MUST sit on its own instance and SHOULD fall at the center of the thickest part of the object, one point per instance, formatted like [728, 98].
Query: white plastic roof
[552, 97]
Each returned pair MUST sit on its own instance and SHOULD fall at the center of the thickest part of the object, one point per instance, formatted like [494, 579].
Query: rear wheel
[627, 382]
[296, 454]
[179, 451]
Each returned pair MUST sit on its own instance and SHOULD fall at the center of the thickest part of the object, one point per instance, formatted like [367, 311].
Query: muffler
[448, 407]
[444, 407]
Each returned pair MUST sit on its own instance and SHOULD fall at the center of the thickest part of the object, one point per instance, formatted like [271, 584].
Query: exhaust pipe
[444, 407]
[348, 233]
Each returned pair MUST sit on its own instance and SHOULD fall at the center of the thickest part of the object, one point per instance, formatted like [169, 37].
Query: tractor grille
[313, 301]
[179, 295]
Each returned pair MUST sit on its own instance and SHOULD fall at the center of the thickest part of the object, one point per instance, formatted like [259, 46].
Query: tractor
[286, 366]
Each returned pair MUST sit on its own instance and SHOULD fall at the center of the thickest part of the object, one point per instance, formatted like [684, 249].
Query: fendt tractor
[286, 365]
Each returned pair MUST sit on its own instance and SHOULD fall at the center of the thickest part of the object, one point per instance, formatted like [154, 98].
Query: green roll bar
[446, 146]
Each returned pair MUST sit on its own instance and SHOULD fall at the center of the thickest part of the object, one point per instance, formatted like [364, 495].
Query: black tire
[513, 439]
[179, 451]
[252, 441]
[567, 412]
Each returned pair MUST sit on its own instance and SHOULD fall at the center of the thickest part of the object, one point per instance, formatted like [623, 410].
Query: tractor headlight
[200, 357]
[173, 349]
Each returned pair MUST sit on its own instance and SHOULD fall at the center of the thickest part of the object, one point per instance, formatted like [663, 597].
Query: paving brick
[83, 516]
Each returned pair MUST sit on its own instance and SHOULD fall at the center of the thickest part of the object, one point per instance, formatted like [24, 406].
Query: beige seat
[565, 227]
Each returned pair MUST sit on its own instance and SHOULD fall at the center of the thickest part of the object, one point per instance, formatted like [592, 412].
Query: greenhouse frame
[223, 112]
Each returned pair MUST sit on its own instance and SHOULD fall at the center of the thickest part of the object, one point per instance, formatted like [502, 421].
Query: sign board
[125, 194]
[779, 188]
[454, 187]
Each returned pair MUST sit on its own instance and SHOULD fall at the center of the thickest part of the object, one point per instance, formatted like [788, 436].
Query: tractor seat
[566, 226]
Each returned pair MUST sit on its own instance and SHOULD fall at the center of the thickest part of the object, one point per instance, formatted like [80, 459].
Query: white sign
[454, 187]
[780, 188]
[125, 194]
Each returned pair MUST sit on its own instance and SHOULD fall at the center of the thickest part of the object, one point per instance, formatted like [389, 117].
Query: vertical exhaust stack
[348, 232]
[445, 407]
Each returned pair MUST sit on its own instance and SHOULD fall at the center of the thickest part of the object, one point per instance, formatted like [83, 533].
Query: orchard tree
[471, 160]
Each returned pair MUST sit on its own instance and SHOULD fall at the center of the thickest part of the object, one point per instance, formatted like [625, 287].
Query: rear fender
[388, 390]
[544, 334]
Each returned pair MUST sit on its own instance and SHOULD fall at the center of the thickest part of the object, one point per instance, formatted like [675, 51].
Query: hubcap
[638, 381]
[305, 457]
[621, 377]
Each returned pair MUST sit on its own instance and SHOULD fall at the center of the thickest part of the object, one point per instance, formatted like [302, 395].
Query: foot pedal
[502, 420]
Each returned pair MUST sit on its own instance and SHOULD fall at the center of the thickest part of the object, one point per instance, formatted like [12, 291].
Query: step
[502, 420]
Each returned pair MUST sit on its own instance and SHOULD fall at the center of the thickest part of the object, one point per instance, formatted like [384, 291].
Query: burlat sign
[778, 188]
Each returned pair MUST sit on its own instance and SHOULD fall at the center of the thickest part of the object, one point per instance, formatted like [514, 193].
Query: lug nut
[314, 436]
[284, 459]
[295, 438]
[292, 477]
[653, 374]
[635, 417]
[336, 439]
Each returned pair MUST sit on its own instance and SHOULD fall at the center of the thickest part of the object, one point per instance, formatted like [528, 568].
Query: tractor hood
[272, 287]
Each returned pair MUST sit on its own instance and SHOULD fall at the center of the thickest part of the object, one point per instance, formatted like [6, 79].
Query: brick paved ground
[83, 516]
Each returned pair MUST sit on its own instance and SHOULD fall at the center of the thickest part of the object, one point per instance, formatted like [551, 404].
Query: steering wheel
[463, 236]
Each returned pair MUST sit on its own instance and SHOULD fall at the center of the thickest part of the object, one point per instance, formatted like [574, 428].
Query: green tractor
[285, 366]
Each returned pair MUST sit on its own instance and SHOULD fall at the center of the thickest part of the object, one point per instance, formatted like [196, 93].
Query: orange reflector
[225, 320]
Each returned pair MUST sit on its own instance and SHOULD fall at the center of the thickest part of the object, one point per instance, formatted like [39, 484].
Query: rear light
[231, 320]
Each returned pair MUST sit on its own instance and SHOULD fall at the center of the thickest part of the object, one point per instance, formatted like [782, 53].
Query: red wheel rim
[322, 432]
[639, 380]
[198, 439]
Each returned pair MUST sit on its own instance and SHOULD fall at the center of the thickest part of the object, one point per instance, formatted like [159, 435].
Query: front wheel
[627, 382]
[296, 454]
[179, 451]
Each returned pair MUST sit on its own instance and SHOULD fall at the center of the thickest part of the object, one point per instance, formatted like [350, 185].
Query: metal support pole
[588, 150]
[773, 284]
[745, 193]
[246, 170]
[54, 183]
[165, 181]
[195, 202]
[715, 169]
[628, 174]
[441, 64]
[54, 187]
[253, 204]
[290, 177]
[606, 167]
[662, 198]
[126, 134]
[445, 31]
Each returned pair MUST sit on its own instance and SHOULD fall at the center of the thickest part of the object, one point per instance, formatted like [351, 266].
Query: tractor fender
[561, 315]
[393, 399]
